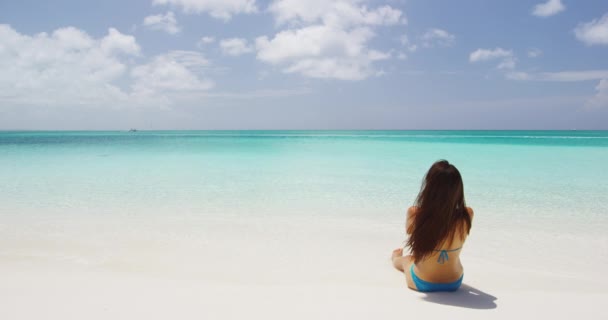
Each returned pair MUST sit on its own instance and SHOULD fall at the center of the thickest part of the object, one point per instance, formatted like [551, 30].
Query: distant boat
[132, 130]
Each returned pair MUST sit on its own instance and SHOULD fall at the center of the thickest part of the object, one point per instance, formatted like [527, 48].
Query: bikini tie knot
[443, 257]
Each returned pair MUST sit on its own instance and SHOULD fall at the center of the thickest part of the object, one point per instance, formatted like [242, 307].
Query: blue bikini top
[443, 255]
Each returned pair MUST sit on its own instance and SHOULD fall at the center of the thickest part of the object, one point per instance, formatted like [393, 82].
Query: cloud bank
[326, 39]
[506, 57]
[220, 9]
[235, 46]
[594, 32]
[437, 38]
[600, 100]
[69, 68]
[166, 23]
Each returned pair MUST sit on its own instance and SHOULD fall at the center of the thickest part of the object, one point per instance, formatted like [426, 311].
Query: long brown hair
[441, 211]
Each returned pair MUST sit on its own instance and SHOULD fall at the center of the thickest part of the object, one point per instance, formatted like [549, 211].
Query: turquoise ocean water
[121, 200]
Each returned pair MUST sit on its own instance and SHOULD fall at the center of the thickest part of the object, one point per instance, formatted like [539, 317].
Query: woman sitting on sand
[437, 225]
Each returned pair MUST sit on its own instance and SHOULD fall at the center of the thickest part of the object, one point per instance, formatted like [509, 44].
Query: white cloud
[67, 67]
[488, 54]
[549, 8]
[405, 41]
[166, 22]
[220, 9]
[518, 75]
[203, 41]
[235, 46]
[375, 55]
[535, 53]
[593, 32]
[66, 38]
[207, 40]
[507, 57]
[600, 100]
[326, 39]
[437, 37]
[330, 68]
[116, 42]
[312, 41]
[507, 63]
[173, 71]
[562, 76]
[337, 13]
[320, 51]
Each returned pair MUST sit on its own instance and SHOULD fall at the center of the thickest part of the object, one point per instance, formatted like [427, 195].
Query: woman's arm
[471, 213]
[409, 220]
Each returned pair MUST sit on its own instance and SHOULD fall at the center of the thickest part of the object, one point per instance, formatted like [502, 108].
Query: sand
[278, 270]
[47, 292]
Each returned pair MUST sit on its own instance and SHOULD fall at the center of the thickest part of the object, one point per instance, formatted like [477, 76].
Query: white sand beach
[80, 295]
[296, 271]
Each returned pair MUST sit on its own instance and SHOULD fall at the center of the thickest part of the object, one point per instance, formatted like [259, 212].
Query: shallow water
[199, 202]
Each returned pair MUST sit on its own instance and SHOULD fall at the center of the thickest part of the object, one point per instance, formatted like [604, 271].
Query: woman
[438, 225]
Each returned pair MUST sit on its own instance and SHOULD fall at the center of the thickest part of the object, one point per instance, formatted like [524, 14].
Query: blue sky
[304, 64]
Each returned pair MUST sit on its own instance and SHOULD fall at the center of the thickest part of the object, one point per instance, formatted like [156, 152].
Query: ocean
[294, 206]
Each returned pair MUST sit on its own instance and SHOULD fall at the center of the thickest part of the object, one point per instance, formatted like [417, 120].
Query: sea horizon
[169, 130]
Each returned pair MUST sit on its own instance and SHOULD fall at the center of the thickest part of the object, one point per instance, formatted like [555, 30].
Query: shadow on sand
[465, 297]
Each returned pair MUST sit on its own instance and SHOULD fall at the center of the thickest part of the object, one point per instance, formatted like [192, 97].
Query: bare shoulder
[409, 221]
[411, 211]
[470, 211]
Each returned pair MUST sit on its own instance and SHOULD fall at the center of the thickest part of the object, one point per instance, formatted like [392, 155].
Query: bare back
[444, 264]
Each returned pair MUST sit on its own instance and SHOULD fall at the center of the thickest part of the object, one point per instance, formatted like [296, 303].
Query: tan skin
[428, 269]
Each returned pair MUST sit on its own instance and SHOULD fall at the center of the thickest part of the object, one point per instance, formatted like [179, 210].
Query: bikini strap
[443, 255]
